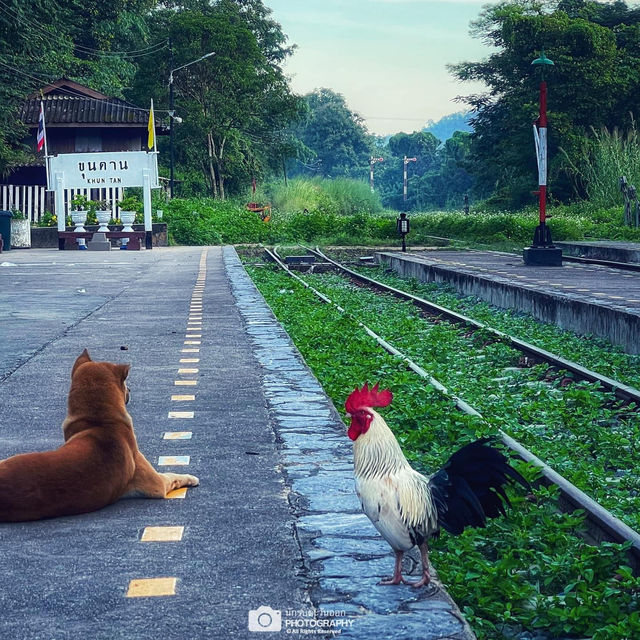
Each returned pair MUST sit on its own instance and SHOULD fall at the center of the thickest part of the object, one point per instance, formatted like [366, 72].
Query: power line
[133, 53]
[75, 95]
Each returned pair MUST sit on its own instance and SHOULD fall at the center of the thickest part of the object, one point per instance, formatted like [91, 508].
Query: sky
[386, 57]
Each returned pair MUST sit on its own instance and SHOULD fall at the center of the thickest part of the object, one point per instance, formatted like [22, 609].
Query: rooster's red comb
[366, 397]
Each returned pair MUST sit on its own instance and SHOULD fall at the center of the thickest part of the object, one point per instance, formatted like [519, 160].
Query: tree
[234, 105]
[42, 40]
[594, 82]
[336, 138]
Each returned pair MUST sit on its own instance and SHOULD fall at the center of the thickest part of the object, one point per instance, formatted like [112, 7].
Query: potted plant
[20, 230]
[103, 215]
[79, 211]
[129, 207]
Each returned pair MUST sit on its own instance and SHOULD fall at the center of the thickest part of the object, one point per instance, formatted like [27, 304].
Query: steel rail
[621, 390]
[600, 518]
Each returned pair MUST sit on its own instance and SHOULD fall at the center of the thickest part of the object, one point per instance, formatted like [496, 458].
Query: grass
[527, 573]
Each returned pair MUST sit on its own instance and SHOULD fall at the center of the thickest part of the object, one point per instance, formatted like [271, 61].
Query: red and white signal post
[542, 252]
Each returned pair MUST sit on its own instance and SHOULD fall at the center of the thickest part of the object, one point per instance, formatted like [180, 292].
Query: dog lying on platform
[98, 464]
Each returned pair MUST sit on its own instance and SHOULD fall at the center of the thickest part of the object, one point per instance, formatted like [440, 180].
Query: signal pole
[542, 252]
[371, 163]
[404, 190]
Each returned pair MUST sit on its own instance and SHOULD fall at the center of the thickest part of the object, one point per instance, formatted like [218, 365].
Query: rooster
[408, 508]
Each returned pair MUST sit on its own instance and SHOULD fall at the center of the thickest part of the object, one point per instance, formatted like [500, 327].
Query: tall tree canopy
[95, 43]
[336, 139]
[594, 83]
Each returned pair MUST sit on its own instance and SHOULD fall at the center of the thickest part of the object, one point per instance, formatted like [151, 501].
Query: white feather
[395, 498]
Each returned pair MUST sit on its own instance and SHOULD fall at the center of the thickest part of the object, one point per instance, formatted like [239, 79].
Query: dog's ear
[82, 358]
[122, 371]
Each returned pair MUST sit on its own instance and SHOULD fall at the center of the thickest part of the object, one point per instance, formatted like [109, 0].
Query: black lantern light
[402, 225]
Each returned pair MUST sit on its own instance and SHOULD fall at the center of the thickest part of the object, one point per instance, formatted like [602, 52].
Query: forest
[237, 118]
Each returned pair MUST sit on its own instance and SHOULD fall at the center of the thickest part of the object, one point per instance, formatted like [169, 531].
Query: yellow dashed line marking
[185, 383]
[616, 297]
[173, 461]
[186, 360]
[190, 351]
[632, 300]
[162, 534]
[182, 398]
[193, 341]
[193, 335]
[584, 290]
[177, 435]
[188, 370]
[181, 414]
[600, 294]
[148, 587]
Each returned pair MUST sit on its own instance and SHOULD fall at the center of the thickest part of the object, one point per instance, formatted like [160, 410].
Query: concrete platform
[586, 299]
[603, 250]
[275, 521]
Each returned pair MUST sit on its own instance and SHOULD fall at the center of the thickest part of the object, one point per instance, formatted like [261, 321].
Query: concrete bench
[135, 238]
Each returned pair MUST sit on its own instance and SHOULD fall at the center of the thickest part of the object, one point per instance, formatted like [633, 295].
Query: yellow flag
[152, 130]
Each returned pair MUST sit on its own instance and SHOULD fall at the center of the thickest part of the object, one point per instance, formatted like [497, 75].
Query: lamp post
[402, 225]
[372, 161]
[172, 115]
[542, 252]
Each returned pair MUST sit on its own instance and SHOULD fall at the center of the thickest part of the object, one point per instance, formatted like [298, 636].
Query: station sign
[104, 169]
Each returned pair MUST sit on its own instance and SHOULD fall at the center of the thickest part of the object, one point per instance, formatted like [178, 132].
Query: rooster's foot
[426, 579]
[392, 580]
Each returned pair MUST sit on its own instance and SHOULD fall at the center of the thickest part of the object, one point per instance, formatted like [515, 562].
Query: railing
[34, 200]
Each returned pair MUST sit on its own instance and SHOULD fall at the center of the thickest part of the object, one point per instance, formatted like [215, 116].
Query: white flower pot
[103, 220]
[128, 218]
[21, 234]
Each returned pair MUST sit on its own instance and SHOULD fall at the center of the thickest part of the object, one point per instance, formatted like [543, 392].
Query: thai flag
[41, 128]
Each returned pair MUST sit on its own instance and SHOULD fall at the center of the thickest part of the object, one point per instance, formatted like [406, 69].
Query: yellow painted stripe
[181, 414]
[190, 351]
[188, 370]
[177, 435]
[149, 587]
[173, 461]
[193, 335]
[185, 383]
[182, 398]
[162, 534]
[185, 360]
[193, 341]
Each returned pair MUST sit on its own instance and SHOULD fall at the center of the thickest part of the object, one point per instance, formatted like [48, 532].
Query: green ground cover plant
[581, 431]
[526, 575]
[344, 212]
[591, 352]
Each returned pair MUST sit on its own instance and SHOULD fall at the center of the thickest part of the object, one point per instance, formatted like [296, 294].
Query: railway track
[602, 525]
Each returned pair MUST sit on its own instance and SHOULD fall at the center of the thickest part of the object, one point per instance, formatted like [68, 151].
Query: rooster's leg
[397, 571]
[426, 577]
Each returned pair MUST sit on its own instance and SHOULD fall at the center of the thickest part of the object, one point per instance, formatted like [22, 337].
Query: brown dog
[99, 462]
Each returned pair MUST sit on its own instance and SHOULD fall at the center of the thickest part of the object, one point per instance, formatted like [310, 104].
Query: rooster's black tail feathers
[470, 487]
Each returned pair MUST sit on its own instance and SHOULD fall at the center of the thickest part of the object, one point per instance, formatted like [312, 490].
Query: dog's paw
[191, 481]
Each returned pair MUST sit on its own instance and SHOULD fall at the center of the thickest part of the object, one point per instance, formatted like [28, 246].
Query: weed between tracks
[527, 575]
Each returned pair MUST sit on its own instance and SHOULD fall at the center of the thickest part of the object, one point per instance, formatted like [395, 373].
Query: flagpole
[46, 153]
[155, 141]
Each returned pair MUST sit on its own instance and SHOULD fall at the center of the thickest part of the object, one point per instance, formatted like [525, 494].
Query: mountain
[444, 128]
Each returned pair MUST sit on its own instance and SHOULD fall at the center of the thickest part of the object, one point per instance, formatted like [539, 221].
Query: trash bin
[5, 229]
